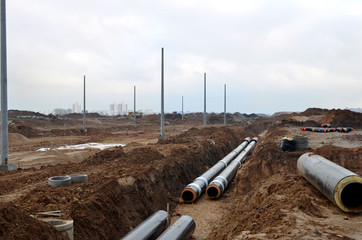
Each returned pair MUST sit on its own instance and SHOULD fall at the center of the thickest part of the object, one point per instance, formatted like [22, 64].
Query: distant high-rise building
[118, 109]
[123, 108]
[113, 109]
[77, 108]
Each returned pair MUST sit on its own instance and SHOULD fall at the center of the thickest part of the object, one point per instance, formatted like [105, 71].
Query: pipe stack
[341, 186]
[219, 184]
[193, 191]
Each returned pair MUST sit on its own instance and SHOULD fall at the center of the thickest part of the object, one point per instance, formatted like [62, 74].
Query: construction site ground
[267, 199]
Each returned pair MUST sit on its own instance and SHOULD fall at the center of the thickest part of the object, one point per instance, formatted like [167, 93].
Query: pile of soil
[314, 111]
[17, 138]
[17, 224]
[271, 200]
[343, 118]
[267, 199]
[13, 114]
[124, 188]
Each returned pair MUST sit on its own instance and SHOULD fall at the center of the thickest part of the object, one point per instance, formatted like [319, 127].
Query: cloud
[273, 55]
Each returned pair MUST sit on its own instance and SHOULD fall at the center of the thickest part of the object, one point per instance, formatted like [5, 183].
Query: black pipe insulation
[150, 228]
[219, 184]
[341, 186]
[192, 191]
[318, 129]
[344, 129]
[315, 129]
[182, 229]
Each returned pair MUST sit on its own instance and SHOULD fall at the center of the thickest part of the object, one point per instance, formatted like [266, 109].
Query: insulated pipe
[219, 184]
[150, 228]
[344, 129]
[318, 129]
[182, 229]
[341, 186]
[192, 191]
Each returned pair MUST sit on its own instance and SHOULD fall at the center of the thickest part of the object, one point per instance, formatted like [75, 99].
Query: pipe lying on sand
[218, 185]
[192, 191]
[329, 129]
[150, 228]
[341, 186]
[182, 229]
[316, 129]
[344, 129]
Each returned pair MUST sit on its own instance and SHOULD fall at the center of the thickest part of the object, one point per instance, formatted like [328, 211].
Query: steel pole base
[9, 167]
[162, 138]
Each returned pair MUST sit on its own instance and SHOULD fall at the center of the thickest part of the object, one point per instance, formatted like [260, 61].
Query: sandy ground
[210, 213]
[267, 199]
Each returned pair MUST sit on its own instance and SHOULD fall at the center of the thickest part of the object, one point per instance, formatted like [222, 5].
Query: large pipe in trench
[150, 228]
[218, 185]
[192, 191]
[340, 185]
[182, 229]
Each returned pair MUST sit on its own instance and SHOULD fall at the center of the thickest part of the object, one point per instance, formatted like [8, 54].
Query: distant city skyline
[114, 109]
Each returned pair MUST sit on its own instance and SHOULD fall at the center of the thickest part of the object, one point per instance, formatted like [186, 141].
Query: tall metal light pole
[4, 94]
[134, 107]
[182, 110]
[224, 104]
[204, 100]
[162, 136]
[84, 107]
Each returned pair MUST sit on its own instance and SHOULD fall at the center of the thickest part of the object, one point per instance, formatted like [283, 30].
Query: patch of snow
[100, 146]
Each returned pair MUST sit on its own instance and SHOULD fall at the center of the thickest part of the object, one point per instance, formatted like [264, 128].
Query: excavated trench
[121, 203]
[124, 186]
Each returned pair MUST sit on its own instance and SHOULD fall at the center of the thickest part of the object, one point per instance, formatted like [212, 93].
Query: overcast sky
[272, 55]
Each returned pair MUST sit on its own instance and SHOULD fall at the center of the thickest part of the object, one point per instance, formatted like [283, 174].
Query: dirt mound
[80, 115]
[270, 199]
[173, 116]
[343, 118]
[348, 158]
[123, 188]
[153, 118]
[23, 129]
[267, 199]
[16, 224]
[314, 111]
[12, 114]
[17, 138]
[105, 156]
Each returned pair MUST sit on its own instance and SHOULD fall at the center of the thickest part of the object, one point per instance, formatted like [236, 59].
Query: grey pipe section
[150, 228]
[193, 191]
[182, 229]
[219, 184]
[341, 186]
